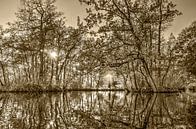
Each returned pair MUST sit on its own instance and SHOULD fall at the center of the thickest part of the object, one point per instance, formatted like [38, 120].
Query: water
[97, 110]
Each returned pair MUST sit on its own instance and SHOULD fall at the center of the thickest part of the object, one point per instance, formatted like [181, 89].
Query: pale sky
[188, 8]
[72, 9]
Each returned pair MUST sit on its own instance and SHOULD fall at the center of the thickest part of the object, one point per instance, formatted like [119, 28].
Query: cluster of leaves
[185, 49]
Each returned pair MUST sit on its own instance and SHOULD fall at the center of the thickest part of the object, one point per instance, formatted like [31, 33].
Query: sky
[188, 8]
[72, 9]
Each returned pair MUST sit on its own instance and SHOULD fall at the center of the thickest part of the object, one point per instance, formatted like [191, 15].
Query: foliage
[39, 31]
[130, 35]
[123, 37]
[185, 48]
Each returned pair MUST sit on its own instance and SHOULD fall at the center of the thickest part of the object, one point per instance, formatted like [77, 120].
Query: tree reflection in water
[96, 110]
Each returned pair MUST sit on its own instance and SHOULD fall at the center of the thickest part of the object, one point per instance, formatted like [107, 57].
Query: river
[97, 110]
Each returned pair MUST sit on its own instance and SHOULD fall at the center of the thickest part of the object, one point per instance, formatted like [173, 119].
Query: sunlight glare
[109, 77]
[53, 54]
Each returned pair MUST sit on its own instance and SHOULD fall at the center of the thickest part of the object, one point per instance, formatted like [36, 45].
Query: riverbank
[94, 90]
[63, 90]
[40, 88]
[159, 90]
[49, 88]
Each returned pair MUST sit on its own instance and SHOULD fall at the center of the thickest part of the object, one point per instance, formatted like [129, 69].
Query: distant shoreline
[174, 90]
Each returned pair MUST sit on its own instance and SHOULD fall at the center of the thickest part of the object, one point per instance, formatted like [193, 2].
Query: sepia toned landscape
[97, 64]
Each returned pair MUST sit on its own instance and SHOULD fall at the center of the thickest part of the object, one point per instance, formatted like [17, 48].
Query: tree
[185, 49]
[42, 46]
[32, 32]
[133, 31]
[2, 65]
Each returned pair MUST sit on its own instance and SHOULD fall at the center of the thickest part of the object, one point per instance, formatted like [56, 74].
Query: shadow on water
[97, 110]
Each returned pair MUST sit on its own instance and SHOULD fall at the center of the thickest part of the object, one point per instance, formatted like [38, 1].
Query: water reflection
[97, 110]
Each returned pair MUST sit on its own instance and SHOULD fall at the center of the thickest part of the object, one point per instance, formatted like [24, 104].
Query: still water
[97, 110]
